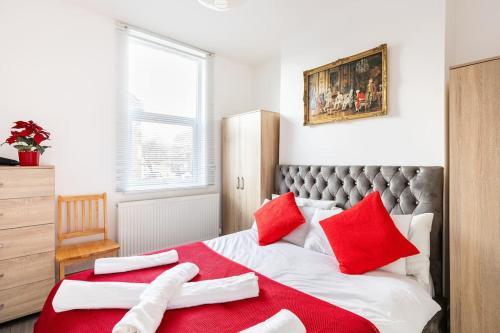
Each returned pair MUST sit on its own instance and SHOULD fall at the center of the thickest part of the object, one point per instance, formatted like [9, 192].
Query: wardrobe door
[474, 125]
[231, 178]
[250, 145]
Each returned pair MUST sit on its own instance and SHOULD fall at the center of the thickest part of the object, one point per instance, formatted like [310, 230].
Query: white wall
[267, 85]
[474, 30]
[57, 67]
[413, 132]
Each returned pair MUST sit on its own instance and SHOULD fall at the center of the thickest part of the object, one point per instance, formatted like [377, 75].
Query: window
[165, 125]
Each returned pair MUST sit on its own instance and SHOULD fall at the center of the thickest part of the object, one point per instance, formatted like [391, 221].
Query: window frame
[198, 124]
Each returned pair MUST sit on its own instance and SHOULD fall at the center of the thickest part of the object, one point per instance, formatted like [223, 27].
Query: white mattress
[392, 302]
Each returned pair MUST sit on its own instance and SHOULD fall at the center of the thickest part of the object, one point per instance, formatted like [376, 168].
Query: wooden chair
[80, 216]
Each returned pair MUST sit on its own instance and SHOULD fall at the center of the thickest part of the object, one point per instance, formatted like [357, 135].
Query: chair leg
[61, 270]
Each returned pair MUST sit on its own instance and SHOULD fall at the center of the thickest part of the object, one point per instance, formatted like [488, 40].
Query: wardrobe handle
[238, 185]
[242, 183]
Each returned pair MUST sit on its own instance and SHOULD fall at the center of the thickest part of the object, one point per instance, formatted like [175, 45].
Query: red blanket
[317, 315]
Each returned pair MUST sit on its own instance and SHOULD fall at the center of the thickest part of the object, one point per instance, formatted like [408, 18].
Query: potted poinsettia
[27, 137]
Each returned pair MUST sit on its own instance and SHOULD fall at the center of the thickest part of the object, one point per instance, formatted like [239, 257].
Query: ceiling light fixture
[218, 5]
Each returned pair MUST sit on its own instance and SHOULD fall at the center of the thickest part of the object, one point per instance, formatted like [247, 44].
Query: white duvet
[392, 302]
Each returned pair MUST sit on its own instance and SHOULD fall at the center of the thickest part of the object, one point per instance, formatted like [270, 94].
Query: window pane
[162, 154]
[162, 81]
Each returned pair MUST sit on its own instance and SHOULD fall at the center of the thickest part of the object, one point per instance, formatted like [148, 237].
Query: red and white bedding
[316, 315]
[306, 282]
[392, 302]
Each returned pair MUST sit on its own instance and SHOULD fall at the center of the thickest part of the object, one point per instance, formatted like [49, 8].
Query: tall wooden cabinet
[250, 144]
[474, 170]
[27, 239]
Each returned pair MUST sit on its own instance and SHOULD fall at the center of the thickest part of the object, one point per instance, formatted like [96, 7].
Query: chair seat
[84, 250]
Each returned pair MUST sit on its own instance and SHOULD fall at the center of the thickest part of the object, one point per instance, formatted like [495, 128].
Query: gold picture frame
[349, 88]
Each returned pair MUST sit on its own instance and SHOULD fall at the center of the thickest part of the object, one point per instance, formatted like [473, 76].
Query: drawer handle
[1, 214]
[1, 306]
[1, 245]
[1, 275]
[1, 184]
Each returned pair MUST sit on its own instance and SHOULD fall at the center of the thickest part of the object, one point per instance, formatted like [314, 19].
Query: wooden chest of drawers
[27, 239]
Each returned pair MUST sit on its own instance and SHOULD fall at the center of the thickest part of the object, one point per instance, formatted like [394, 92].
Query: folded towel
[216, 291]
[284, 321]
[146, 316]
[74, 295]
[125, 264]
[84, 295]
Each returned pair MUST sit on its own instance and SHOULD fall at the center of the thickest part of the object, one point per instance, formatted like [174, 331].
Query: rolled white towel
[125, 264]
[284, 321]
[216, 291]
[146, 316]
[75, 295]
[84, 295]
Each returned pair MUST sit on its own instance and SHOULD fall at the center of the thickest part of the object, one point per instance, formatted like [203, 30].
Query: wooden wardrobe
[250, 144]
[474, 176]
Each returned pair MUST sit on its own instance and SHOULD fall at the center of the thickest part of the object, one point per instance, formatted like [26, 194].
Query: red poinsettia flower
[39, 138]
[28, 136]
[20, 124]
[26, 132]
[11, 139]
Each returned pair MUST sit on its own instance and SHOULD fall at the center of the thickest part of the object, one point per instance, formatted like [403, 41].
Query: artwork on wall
[349, 88]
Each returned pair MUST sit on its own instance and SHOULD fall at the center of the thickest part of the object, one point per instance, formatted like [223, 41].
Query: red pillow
[278, 218]
[365, 237]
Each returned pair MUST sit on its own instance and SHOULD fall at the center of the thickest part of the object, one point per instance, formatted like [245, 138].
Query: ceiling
[249, 33]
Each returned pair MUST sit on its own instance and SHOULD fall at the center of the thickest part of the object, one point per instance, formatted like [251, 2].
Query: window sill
[192, 190]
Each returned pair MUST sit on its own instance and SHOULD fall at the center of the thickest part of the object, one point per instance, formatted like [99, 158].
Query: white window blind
[165, 125]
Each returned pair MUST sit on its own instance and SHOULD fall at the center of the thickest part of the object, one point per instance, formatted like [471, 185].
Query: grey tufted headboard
[404, 190]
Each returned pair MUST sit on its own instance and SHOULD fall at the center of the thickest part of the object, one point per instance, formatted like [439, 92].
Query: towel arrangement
[147, 303]
[146, 316]
[80, 295]
[284, 321]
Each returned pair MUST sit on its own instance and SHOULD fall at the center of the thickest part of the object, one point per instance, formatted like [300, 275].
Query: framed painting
[349, 88]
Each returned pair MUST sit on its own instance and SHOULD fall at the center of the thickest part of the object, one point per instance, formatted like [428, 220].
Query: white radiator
[151, 225]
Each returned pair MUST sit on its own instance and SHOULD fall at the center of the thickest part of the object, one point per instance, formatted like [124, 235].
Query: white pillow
[402, 222]
[316, 239]
[298, 235]
[417, 229]
[322, 204]
[420, 236]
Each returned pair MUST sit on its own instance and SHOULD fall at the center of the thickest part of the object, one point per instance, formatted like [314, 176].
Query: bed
[392, 303]
[404, 190]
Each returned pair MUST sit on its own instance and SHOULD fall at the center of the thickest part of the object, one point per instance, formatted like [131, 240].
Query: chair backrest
[81, 216]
